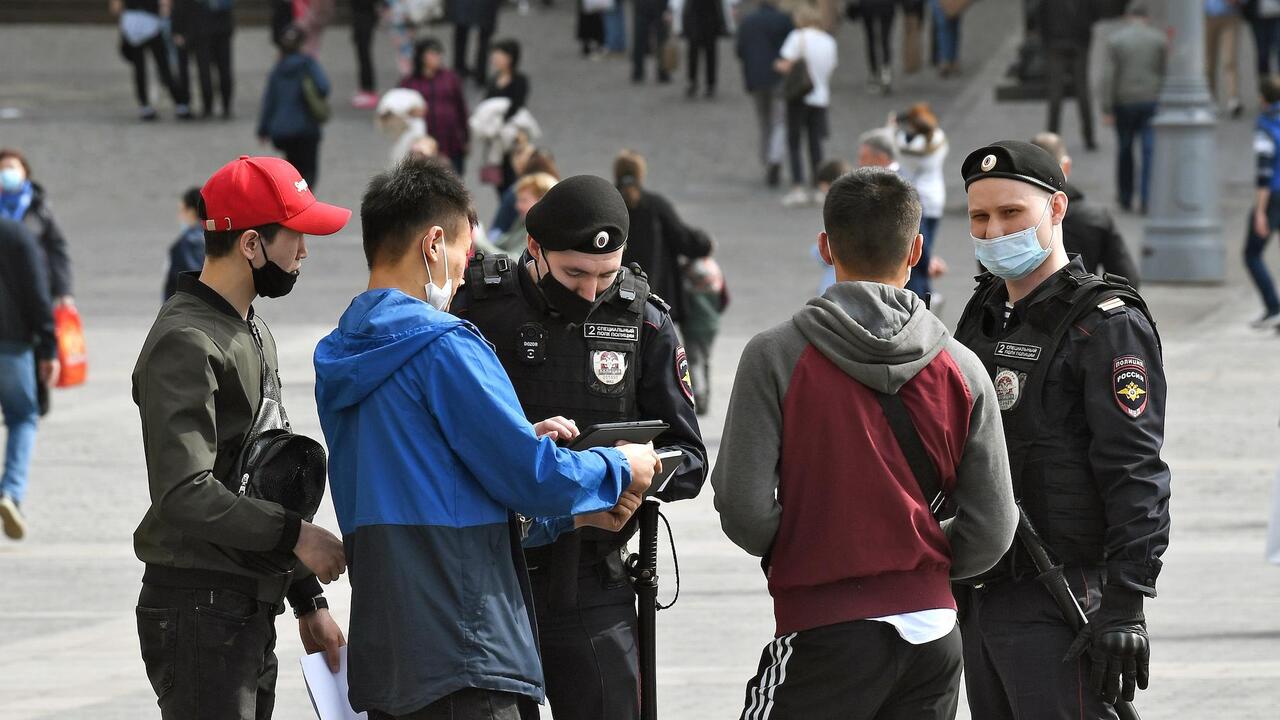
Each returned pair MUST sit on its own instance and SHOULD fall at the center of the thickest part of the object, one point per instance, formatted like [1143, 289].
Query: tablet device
[610, 434]
[671, 459]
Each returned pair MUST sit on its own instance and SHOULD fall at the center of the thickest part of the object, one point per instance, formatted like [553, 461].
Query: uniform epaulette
[657, 301]
[1111, 306]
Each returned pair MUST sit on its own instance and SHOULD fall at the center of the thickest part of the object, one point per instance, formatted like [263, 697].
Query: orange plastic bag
[71, 352]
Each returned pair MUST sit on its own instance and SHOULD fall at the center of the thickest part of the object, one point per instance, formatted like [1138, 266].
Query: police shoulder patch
[682, 373]
[1129, 384]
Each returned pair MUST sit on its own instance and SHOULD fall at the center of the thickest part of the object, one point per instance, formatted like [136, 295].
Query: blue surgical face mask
[1016, 255]
[12, 179]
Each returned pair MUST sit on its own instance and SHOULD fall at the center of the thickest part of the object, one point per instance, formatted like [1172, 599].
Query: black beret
[1014, 160]
[584, 213]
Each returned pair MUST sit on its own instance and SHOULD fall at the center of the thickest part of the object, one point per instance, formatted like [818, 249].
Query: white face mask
[438, 297]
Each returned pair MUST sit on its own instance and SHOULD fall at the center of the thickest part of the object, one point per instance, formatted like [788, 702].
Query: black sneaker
[15, 526]
[148, 114]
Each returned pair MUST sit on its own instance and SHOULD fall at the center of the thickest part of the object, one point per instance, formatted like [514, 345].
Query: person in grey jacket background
[811, 476]
[1130, 90]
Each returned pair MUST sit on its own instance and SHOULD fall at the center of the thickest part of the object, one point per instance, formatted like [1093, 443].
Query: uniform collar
[189, 283]
[1047, 290]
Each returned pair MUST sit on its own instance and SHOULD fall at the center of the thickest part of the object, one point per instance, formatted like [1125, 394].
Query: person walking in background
[287, 119]
[1088, 229]
[759, 41]
[24, 200]
[1222, 43]
[651, 24]
[507, 82]
[186, 254]
[528, 160]
[207, 27]
[659, 238]
[702, 23]
[816, 477]
[446, 102]
[878, 148]
[141, 32]
[922, 149]
[706, 297]
[946, 39]
[1066, 28]
[590, 28]
[877, 21]
[828, 174]
[528, 190]
[28, 357]
[1264, 19]
[1264, 217]
[1131, 87]
[466, 15]
[364, 20]
[807, 115]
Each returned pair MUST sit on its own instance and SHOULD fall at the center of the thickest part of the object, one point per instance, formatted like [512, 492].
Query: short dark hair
[511, 48]
[416, 194]
[191, 199]
[831, 170]
[871, 216]
[1270, 87]
[420, 48]
[220, 243]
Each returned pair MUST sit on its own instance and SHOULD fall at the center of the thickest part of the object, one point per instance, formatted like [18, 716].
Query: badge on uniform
[682, 373]
[1129, 381]
[1017, 351]
[1009, 388]
[610, 366]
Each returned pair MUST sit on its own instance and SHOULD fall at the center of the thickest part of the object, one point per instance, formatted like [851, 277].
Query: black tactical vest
[589, 372]
[1048, 446]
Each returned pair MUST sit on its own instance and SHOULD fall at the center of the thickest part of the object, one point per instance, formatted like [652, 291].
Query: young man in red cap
[206, 614]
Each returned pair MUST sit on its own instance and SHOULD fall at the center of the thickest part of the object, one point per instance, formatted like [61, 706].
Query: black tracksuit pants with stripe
[861, 670]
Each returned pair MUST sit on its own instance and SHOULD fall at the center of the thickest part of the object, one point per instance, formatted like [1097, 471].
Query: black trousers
[461, 34]
[709, 49]
[649, 35]
[810, 121]
[209, 654]
[878, 25]
[159, 51]
[471, 704]
[860, 670]
[1014, 642]
[304, 154]
[589, 653]
[1063, 62]
[364, 20]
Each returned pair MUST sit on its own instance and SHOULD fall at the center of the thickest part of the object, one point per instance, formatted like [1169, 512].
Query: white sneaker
[1266, 322]
[798, 197]
[14, 524]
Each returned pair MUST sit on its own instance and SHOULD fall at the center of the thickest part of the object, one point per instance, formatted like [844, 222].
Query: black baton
[644, 570]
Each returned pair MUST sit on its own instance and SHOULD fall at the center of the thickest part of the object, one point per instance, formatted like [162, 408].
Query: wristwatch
[306, 608]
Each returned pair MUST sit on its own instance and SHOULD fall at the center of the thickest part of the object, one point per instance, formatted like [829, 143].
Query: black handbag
[797, 84]
[275, 464]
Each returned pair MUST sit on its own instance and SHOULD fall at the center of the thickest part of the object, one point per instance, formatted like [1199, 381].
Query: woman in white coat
[922, 149]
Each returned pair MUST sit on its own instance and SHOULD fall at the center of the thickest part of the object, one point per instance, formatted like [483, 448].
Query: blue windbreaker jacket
[430, 455]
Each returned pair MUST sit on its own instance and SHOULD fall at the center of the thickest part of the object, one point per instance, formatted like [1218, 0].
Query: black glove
[1118, 646]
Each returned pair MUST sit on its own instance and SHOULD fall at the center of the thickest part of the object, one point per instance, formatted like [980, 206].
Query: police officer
[1076, 363]
[582, 337]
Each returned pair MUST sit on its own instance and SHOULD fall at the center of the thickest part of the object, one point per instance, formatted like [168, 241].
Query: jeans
[812, 122]
[209, 653]
[470, 704]
[771, 114]
[20, 409]
[920, 283]
[1133, 122]
[1254, 246]
[946, 35]
[615, 28]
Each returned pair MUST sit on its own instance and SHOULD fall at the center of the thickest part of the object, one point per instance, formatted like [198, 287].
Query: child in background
[707, 297]
[186, 254]
[828, 173]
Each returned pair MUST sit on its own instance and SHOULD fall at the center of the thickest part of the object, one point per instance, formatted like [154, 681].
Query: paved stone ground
[67, 642]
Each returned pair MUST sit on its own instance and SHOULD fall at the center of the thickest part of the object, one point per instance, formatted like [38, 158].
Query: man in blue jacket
[430, 460]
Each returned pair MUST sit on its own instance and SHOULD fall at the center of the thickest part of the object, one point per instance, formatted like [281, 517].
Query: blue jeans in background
[946, 33]
[1254, 245]
[1133, 122]
[919, 282]
[20, 409]
[615, 28]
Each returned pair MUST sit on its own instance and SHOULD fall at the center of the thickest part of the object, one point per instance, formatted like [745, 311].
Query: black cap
[584, 213]
[1014, 160]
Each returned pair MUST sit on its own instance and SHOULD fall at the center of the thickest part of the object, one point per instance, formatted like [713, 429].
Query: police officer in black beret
[1077, 367]
[583, 338]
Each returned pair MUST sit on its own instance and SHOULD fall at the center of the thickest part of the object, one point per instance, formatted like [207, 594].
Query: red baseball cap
[255, 191]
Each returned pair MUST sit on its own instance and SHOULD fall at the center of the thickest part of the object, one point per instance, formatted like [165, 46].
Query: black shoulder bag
[908, 437]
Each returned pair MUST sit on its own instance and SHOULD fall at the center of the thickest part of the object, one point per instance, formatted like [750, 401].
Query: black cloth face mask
[271, 280]
[571, 305]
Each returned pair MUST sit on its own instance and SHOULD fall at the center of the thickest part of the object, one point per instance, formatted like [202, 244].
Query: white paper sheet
[328, 691]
